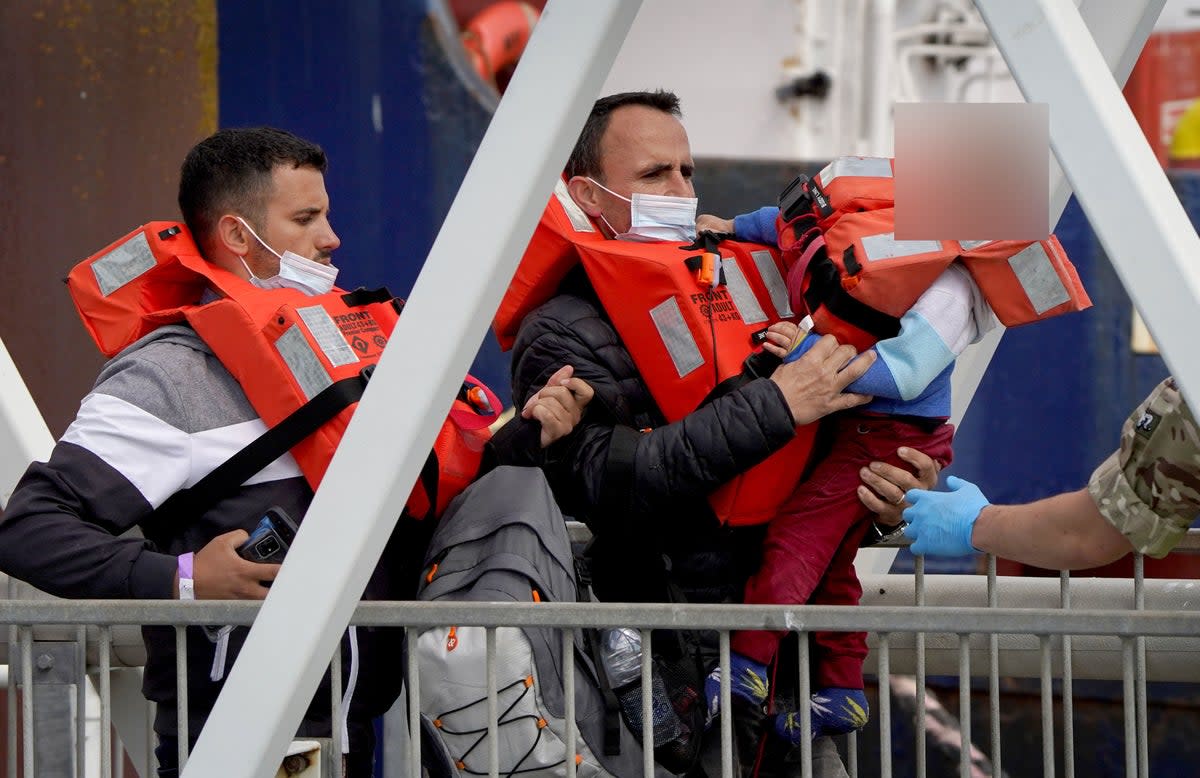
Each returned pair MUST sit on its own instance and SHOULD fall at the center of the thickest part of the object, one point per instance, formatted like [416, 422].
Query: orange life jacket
[863, 280]
[685, 334]
[853, 184]
[281, 345]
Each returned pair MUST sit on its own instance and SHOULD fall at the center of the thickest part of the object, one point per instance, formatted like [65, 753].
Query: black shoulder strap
[268, 447]
[618, 469]
[826, 290]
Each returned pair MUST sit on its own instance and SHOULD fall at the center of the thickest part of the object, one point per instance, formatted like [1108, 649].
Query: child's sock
[834, 711]
[747, 680]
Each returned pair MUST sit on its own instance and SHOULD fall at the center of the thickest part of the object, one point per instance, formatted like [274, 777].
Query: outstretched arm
[1065, 532]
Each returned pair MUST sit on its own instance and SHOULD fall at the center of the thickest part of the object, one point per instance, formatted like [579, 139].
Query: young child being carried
[810, 545]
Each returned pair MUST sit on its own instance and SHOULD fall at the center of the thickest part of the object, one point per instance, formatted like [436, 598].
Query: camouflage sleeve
[1149, 489]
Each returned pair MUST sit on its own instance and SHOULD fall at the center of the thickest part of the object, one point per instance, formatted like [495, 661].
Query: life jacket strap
[362, 296]
[825, 290]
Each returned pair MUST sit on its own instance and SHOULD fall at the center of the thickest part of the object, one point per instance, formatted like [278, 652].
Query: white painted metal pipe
[24, 435]
[1119, 182]
[883, 54]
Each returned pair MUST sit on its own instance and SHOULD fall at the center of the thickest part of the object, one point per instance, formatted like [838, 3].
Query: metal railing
[921, 625]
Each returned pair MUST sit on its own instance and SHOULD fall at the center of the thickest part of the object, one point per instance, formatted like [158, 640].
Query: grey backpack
[503, 540]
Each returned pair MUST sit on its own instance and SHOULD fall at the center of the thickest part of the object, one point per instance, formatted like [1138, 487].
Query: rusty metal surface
[101, 101]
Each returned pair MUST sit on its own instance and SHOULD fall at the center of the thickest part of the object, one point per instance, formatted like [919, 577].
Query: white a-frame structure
[1050, 51]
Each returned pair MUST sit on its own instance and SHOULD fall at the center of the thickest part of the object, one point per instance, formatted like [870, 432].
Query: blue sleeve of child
[877, 381]
[757, 226]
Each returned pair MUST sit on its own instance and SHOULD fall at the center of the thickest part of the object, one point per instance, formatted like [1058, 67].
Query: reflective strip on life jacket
[772, 277]
[743, 296]
[853, 184]
[1025, 282]
[1037, 278]
[885, 246]
[676, 336]
[855, 167]
[123, 264]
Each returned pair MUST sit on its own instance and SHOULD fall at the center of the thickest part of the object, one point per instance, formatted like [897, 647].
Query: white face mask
[656, 217]
[295, 272]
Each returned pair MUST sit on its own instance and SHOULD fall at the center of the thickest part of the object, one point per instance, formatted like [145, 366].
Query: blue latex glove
[940, 523]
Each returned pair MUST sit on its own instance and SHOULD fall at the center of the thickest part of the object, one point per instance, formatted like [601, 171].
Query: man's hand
[707, 221]
[885, 484]
[558, 406]
[813, 384]
[220, 574]
[941, 523]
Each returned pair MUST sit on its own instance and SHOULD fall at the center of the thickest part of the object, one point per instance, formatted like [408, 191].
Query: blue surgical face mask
[656, 217]
[295, 272]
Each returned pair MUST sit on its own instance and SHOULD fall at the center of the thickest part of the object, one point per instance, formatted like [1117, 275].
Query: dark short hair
[231, 171]
[585, 157]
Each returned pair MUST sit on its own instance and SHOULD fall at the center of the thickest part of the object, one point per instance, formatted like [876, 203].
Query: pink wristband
[187, 588]
[185, 565]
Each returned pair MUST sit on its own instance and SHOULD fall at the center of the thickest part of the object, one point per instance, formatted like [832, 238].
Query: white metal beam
[1119, 182]
[24, 436]
[1120, 31]
[460, 285]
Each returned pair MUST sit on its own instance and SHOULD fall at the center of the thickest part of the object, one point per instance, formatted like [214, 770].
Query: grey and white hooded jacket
[163, 413]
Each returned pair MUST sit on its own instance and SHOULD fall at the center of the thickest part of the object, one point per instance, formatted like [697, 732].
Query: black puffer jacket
[644, 494]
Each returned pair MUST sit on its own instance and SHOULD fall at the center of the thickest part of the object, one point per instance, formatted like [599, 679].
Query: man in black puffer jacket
[644, 495]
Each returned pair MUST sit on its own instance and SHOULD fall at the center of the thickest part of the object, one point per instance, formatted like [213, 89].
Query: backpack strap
[591, 640]
[259, 453]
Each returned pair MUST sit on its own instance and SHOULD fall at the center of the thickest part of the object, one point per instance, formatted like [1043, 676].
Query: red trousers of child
[808, 553]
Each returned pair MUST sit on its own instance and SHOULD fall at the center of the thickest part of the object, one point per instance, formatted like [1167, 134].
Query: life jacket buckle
[707, 265]
[803, 195]
[475, 397]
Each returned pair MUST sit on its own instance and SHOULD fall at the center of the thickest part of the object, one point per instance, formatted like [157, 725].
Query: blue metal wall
[1051, 405]
[368, 81]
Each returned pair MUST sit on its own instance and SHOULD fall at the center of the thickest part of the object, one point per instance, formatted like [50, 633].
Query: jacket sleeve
[63, 528]
[757, 226]
[607, 466]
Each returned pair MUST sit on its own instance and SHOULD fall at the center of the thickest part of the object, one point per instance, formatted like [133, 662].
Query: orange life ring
[496, 36]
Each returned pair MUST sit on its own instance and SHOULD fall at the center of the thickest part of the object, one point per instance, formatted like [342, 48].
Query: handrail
[961, 620]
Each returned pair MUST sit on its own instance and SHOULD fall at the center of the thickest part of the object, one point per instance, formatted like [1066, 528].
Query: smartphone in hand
[270, 540]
